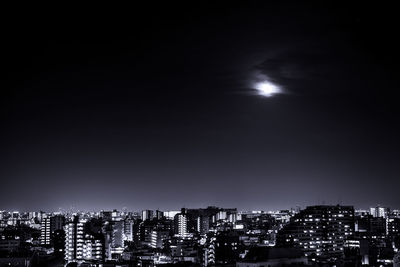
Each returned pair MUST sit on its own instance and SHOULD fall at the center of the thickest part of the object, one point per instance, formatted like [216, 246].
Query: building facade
[319, 230]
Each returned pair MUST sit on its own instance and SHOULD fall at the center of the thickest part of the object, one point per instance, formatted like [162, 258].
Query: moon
[267, 89]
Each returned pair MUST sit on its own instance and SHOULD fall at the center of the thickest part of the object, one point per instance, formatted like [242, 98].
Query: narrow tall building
[74, 239]
[180, 225]
[45, 231]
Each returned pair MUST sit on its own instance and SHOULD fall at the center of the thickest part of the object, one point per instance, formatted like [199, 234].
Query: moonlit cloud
[264, 86]
[267, 88]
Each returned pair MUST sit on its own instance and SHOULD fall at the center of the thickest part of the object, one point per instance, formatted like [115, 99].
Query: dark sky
[155, 107]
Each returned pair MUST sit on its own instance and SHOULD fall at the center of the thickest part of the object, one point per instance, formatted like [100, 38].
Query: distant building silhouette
[265, 256]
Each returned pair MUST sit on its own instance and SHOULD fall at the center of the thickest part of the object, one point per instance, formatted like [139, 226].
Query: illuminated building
[370, 227]
[115, 215]
[92, 248]
[202, 220]
[180, 224]
[128, 230]
[147, 215]
[393, 231]
[117, 237]
[81, 246]
[319, 230]
[393, 228]
[209, 250]
[45, 231]
[379, 212]
[170, 214]
[146, 229]
[203, 224]
[48, 226]
[221, 215]
[153, 233]
[74, 240]
[153, 239]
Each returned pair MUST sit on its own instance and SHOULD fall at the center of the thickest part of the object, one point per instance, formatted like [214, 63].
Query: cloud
[321, 68]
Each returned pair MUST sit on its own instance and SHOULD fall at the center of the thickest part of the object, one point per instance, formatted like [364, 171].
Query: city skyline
[73, 209]
[208, 236]
[251, 105]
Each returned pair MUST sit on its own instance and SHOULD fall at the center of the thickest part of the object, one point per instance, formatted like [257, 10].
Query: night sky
[155, 107]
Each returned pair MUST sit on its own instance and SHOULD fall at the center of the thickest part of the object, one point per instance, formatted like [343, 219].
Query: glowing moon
[267, 89]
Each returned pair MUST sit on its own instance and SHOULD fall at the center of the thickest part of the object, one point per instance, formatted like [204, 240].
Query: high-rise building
[81, 245]
[379, 212]
[128, 230]
[319, 230]
[49, 225]
[370, 227]
[393, 228]
[393, 231]
[180, 224]
[226, 247]
[117, 237]
[92, 248]
[115, 215]
[159, 214]
[153, 239]
[74, 239]
[57, 222]
[106, 215]
[153, 233]
[147, 215]
[45, 231]
[203, 224]
[59, 241]
[209, 250]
